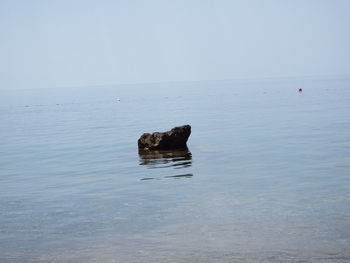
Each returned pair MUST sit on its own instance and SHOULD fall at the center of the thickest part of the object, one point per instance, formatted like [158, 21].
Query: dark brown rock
[174, 139]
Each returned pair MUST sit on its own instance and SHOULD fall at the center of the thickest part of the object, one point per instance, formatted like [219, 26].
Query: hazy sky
[50, 43]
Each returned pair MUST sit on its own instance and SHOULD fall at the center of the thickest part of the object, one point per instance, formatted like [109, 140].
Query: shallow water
[266, 177]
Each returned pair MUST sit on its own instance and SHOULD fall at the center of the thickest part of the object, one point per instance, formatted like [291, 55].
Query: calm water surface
[266, 177]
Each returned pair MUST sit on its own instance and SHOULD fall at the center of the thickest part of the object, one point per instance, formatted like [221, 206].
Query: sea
[266, 177]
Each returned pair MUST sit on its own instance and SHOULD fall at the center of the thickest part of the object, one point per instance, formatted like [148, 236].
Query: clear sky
[58, 43]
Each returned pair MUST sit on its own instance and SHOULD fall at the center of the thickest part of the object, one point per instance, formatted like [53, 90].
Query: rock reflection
[178, 176]
[166, 159]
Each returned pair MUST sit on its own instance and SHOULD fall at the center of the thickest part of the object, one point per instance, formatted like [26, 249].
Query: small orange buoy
[300, 89]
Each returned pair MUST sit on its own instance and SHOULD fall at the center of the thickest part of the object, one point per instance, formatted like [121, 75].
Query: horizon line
[309, 77]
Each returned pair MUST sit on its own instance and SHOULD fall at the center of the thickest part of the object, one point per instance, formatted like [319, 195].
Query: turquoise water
[266, 177]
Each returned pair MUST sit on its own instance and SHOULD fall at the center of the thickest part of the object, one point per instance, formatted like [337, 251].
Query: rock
[174, 139]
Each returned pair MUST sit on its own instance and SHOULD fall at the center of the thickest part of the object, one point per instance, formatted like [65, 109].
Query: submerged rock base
[174, 139]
